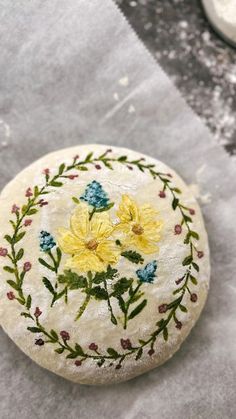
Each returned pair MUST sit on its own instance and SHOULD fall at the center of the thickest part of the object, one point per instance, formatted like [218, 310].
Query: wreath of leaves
[112, 356]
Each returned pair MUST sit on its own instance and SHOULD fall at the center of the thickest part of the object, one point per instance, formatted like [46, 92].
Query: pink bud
[27, 266]
[10, 295]
[162, 194]
[3, 251]
[178, 229]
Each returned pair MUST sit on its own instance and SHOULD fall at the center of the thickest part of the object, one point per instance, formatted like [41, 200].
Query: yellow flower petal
[79, 221]
[108, 251]
[143, 244]
[128, 210]
[101, 226]
[68, 242]
[86, 261]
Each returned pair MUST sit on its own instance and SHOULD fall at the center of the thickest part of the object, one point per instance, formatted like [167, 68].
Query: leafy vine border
[36, 200]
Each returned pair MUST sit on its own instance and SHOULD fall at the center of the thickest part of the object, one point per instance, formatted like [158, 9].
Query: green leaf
[54, 335]
[100, 362]
[99, 293]
[188, 260]
[73, 355]
[161, 323]
[76, 200]
[24, 314]
[8, 238]
[28, 302]
[13, 285]
[133, 256]
[137, 309]
[49, 286]
[165, 334]
[109, 206]
[196, 267]
[59, 350]
[79, 349]
[177, 291]
[32, 211]
[103, 276]
[139, 354]
[61, 168]
[136, 297]
[56, 184]
[73, 280]
[121, 304]
[19, 237]
[177, 190]
[193, 280]
[175, 203]
[183, 308]
[89, 157]
[121, 286]
[36, 191]
[59, 255]
[187, 219]
[122, 158]
[9, 269]
[112, 352]
[194, 234]
[44, 263]
[107, 164]
[20, 254]
[82, 168]
[34, 329]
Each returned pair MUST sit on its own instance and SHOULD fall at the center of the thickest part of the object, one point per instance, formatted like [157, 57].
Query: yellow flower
[87, 241]
[139, 224]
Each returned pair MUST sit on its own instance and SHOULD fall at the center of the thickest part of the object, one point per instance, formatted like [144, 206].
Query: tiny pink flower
[37, 312]
[15, 209]
[178, 324]
[72, 177]
[93, 346]
[162, 194]
[65, 335]
[27, 222]
[28, 193]
[163, 308]
[109, 150]
[169, 175]
[27, 266]
[78, 363]
[39, 342]
[191, 211]
[178, 229]
[151, 352]
[42, 203]
[3, 251]
[97, 166]
[193, 297]
[10, 295]
[130, 167]
[179, 280]
[118, 367]
[125, 343]
[46, 171]
[200, 254]
[76, 157]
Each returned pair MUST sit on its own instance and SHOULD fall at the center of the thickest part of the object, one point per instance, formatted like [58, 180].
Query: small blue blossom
[95, 195]
[147, 274]
[46, 241]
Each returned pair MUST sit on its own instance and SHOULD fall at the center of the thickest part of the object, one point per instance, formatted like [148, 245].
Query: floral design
[147, 274]
[88, 241]
[126, 291]
[46, 241]
[95, 195]
[140, 225]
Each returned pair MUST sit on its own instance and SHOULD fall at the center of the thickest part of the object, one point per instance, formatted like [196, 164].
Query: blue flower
[95, 195]
[147, 274]
[46, 241]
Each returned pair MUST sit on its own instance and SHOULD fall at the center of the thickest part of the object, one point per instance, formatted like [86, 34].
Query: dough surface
[104, 263]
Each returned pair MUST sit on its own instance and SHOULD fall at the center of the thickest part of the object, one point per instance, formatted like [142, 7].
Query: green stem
[113, 319]
[87, 298]
[128, 304]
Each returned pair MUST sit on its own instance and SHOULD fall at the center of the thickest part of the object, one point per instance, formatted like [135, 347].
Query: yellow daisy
[139, 224]
[87, 241]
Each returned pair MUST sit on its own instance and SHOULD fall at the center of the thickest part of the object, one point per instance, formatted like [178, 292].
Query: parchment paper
[74, 72]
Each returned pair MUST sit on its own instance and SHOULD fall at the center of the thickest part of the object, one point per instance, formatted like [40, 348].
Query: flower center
[92, 244]
[137, 229]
